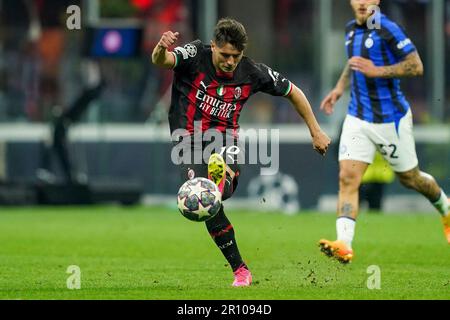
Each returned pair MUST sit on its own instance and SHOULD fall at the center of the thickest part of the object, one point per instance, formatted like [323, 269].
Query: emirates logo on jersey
[237, 92]
[215, 106]
[221, 91]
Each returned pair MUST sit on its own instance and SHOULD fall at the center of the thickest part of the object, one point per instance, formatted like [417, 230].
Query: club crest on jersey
[369, 43]
[221, 91]
[237, 92]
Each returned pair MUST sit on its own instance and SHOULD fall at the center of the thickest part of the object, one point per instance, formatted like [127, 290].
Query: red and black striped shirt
[201, 94]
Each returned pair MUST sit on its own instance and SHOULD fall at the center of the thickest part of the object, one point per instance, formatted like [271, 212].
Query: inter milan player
[211, 85]
[379, 117]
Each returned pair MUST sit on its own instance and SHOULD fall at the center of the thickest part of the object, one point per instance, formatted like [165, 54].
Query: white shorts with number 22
[360, 139]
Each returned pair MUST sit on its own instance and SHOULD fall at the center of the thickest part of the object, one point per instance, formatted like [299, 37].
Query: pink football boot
[242, 277]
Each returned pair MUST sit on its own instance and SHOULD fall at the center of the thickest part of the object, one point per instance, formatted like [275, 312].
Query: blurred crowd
[42, 62]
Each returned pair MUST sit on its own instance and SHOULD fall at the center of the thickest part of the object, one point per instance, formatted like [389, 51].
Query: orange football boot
[337, 250]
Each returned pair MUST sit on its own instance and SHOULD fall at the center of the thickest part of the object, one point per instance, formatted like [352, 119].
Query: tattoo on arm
[410, 67]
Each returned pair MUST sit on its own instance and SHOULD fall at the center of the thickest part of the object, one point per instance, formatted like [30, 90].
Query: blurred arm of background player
[343, 83]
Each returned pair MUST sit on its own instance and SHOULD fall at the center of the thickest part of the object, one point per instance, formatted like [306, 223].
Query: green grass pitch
[154, 253]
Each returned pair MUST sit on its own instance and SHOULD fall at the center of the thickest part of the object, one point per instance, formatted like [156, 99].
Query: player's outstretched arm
[330, 100]
[411, 66]
[319, 138]
[161, 55]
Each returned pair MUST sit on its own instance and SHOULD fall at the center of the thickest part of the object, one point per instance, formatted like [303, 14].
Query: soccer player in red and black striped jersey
[211, 86]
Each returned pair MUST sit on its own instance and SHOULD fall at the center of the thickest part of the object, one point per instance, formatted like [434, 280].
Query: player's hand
[330, 100]
[365, 66]
[168, 39]
[321, 142]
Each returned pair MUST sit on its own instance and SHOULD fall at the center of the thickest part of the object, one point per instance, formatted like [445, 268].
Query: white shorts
[360, 139]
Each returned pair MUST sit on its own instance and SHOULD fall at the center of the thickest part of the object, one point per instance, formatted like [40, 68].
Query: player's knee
[349, 179]
[414, 178]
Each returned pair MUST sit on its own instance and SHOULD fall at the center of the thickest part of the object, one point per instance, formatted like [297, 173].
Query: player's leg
[356, 152]
[350, 176]
[425, 184]
[400, 151]
[222, 232]
[219, 227]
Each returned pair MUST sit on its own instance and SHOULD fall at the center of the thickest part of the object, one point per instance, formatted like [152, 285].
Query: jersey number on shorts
[383, 151]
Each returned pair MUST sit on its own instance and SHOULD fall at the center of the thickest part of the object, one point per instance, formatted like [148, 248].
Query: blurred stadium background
[119, 140]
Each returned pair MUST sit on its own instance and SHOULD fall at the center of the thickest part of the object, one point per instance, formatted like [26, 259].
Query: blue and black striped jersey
[377, 100]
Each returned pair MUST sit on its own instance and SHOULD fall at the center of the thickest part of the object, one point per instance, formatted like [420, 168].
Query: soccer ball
[199, 199]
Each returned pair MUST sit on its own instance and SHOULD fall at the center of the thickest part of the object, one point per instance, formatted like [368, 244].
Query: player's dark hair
[230, 31]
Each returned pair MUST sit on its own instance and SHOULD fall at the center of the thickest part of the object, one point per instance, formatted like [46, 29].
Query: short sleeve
[398, 41]
[187, 55]
[272, 82]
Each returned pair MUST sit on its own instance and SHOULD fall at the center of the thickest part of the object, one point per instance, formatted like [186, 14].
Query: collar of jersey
[224, 75]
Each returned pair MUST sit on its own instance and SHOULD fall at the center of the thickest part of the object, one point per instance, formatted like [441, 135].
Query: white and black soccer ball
[199, 199]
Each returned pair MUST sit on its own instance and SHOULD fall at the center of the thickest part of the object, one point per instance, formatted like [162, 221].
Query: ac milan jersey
[200, 94]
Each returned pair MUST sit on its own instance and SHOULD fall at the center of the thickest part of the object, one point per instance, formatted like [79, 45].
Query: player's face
[225, 58]
[360, 8]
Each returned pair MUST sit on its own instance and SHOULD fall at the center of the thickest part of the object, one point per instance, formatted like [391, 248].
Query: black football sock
[228, 188]
[222, 232]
